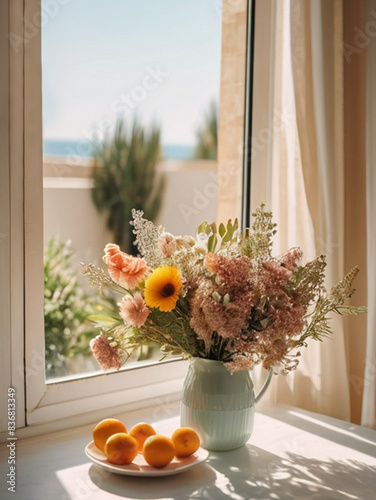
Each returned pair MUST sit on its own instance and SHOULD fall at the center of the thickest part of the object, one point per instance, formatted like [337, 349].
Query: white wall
[191, 197]
[70, 214]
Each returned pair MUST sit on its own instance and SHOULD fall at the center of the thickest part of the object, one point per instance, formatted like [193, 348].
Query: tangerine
[186, 442]
[121, 448]
[158, 450]
[141, 432]
[106, 428]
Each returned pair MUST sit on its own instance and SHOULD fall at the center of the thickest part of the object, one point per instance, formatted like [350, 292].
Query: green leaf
[227, 237]
[202, 227]
[104, 320]
[212, 243]
[221, 230]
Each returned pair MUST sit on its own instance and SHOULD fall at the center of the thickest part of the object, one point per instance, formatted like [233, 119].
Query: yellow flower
[162, 288]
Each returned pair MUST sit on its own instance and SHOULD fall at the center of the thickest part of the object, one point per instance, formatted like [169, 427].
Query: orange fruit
[158, 450]
[141, 432]
[186, 442]
[121, 448]
[105, 429]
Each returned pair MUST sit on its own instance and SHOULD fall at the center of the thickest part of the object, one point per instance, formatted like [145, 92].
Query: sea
[84, 149]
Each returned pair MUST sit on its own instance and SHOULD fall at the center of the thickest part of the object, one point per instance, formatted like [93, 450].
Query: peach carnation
[109, 250]
[133, 310]
[126, 270]
[107, 356]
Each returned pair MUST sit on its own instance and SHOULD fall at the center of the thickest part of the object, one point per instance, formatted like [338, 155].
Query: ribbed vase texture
[218, 404]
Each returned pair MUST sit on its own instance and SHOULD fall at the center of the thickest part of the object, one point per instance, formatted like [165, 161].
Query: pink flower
[210, 312]
[126, 270]
[167, 244]
[276, 274]
[291, 259]
[107, 356]
[133, 310]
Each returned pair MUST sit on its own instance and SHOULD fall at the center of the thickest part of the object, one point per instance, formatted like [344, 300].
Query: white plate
[139, 466]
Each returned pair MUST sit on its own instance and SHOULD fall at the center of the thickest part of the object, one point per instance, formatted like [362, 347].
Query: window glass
[120, 67]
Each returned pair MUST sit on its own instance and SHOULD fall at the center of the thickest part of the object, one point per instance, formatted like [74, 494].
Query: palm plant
[125, 177]
[207, 135]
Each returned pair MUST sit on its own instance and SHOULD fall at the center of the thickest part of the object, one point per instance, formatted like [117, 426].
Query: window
[106, 63]
[22, 231]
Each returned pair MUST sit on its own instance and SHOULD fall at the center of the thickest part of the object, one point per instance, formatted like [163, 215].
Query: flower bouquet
[220, 296]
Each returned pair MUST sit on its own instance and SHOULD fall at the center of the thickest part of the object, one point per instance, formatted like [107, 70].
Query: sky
[105, 59]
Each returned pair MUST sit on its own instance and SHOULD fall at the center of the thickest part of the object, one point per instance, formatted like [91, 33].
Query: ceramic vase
[218, 404]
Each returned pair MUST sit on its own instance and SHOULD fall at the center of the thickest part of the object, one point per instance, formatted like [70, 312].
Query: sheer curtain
[320, 155]
[369, 393]
[306, 182]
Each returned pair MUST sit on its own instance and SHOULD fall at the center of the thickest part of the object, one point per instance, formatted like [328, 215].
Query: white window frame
[41, 406]
[11, 212]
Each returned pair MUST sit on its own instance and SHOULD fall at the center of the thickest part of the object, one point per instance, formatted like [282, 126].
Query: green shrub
[66, 309]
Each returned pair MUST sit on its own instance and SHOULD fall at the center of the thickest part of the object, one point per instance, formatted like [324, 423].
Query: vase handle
[265, 386]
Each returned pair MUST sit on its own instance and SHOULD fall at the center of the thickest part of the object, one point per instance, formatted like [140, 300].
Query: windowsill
[291, 453]
[83, 400]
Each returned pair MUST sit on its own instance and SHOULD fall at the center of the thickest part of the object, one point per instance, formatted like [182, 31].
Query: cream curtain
[369, 393]
[306, 181]
[316, 185]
